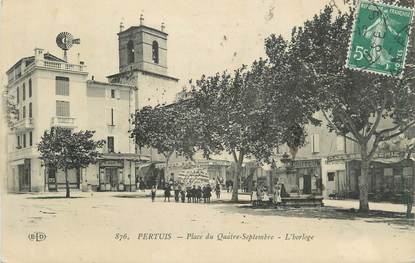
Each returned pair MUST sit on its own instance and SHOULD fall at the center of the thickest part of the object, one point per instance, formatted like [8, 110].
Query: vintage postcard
[207, 131]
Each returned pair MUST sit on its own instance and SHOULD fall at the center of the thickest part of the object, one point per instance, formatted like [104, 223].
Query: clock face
[64, 40]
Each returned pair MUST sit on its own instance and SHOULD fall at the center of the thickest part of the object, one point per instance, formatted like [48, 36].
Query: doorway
[307, 184]
[111, 178]
[24, 177]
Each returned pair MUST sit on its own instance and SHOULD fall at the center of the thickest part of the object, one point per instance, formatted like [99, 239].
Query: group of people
[260, 195]
[193, 194]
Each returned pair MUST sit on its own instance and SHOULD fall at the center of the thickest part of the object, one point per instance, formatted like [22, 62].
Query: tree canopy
[63, 149]
[248, 113]
[353, 102]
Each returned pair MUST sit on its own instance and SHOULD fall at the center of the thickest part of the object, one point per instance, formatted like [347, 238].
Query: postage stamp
[380, 37]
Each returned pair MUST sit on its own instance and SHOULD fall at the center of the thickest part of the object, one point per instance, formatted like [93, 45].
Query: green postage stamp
[380, 37]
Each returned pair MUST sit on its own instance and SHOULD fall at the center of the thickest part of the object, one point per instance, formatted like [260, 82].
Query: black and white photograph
[222, 131]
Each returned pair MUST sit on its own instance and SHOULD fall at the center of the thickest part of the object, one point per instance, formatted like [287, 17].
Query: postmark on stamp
[380, 37]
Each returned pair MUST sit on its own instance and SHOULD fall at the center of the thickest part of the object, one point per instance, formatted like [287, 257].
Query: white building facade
[49, 92]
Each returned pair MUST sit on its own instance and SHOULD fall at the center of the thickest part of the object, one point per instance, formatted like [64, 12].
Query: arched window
[130, 51]
[155, 52]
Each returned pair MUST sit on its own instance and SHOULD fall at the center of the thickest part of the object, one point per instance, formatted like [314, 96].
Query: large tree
[65, 150]
[166, 128]
[354, 103]
[246, 114]
[10, 109]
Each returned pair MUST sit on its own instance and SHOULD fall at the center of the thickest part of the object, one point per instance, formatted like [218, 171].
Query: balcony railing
[60, 121]
[60, 65]
[20, 153]
[25, 124]
[41, 63]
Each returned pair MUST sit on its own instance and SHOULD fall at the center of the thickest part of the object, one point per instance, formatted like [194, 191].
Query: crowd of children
[193, 194]
[260, 194]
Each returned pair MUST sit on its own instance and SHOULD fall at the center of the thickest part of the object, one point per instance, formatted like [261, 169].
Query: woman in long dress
[254, 198]
[277, 195]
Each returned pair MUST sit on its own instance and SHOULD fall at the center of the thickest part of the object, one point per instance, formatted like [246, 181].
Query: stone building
[51, 92]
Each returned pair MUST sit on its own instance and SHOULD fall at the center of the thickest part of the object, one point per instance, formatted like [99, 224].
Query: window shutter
[340, 143]
[316, 142]
[62, 86]
[117, 94]
[114, 117]
[312, 143]
[108, 116]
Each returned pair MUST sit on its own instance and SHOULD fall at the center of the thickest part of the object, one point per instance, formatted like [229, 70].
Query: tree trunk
[68, 195]
[235, 187]
[363, 182]
[408, 209]
[166, 169]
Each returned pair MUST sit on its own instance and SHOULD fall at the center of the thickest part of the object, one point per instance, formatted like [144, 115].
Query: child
[194, 194]
[189, 194]
[167, 193]
[183, 195]
[199, 194]
[259, 196]
[217, 190]
[153, 193]
[208, 192]
[254, 198]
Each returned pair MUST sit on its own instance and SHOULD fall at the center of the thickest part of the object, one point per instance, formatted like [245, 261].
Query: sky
[204, 36]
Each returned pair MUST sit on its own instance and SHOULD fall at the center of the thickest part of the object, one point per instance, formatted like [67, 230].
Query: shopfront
[56, 179]
[307, 176]
[110, 175]
[387, 178]
[24, 176]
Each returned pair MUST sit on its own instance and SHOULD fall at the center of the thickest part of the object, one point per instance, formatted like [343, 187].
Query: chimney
[121, 26]
[163, 26]
[38, 53]
[141, 20]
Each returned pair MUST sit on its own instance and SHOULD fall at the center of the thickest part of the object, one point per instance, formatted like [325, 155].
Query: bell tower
[143, 48]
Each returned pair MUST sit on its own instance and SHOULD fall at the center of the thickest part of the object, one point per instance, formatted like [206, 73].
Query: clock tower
[143, 48]
[142, 54]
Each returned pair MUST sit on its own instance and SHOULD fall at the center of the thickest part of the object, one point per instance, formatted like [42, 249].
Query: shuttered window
[315, 143]
[30, 138]
[62, 108]
[62, 86]
[30, 110]
[30, 88]
[24, 91]
[110, 144]
[340, 143]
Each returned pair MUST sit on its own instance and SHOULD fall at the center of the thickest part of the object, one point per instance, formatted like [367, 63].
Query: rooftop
[110, 84]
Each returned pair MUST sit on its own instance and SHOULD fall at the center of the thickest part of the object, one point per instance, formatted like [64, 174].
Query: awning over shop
[126, 156]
